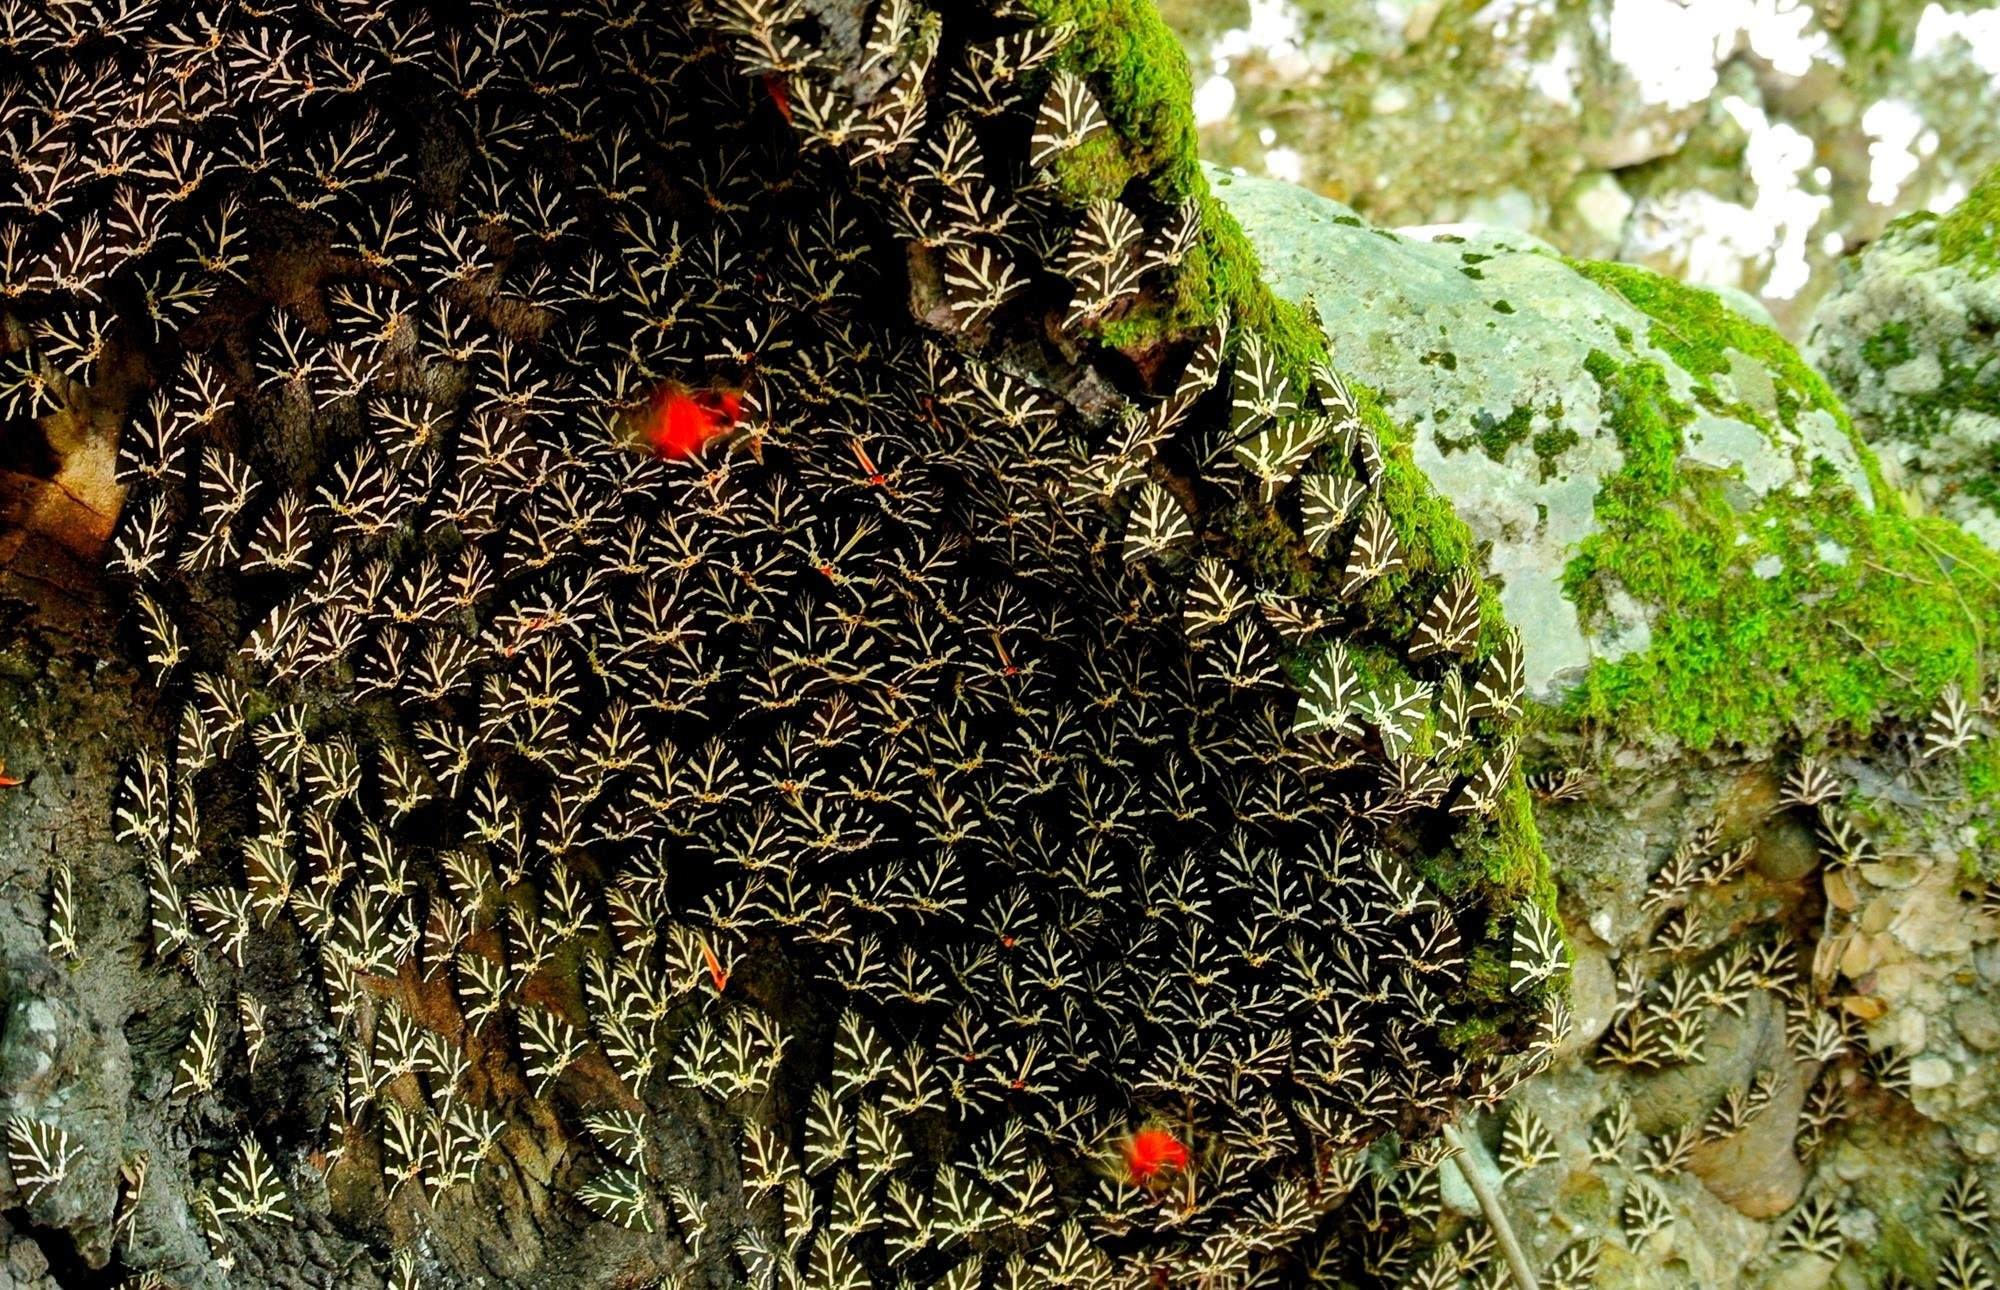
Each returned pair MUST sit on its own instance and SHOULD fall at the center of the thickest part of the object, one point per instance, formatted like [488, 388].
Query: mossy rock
[1695, 542]
[1908, 341]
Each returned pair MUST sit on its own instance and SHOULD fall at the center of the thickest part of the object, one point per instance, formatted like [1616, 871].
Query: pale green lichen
[1926, 378]
[1965, 385]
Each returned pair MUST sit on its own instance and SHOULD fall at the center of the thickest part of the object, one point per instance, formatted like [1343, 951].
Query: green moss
[1471, 1035]
[1434, 539]
[1961, 387]
[1985, 486]
[1097, 167]
[1138, 70]
[1497, 435]
[1889, 347]
[1140, 73]
[1486, 972]
[1499, 865]
[1736, 657]
[1698, 329]
[1980, 768]
[1969, 233]
[1903, 1250]
[1265, 545]
[1966, 381]
[1551, 444]
[1647, 422]
[1512, 857]
[1219, 278]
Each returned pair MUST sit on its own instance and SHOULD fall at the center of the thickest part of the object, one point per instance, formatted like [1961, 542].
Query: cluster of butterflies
[1711, 950]
[1693, 969]
[911, 773]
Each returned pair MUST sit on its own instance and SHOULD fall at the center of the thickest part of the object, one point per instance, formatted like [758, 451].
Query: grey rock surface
[1912, 344]
[1864, 1141]
[87, 1045]
[1481, 341]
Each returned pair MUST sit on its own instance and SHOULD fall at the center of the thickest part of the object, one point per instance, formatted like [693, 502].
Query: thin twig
[1900, 675]
[1978, 635]
[1900, 575]
[1940, 556]
[1496, 1217]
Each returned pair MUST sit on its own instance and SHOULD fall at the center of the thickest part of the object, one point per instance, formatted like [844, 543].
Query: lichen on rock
[1696, 543]
[1907, 337]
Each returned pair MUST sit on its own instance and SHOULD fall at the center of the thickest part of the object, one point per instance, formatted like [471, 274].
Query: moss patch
[1698, 330]
[1889, 347]
[1510, 855]
[1969, 233]
[1495, 436]
[1894, 616]
[1979, 767]
[1140, 73]
[1552, 443]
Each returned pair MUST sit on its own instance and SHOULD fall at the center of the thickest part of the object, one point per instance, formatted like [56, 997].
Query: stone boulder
[1691, 536]
[1910, 338]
